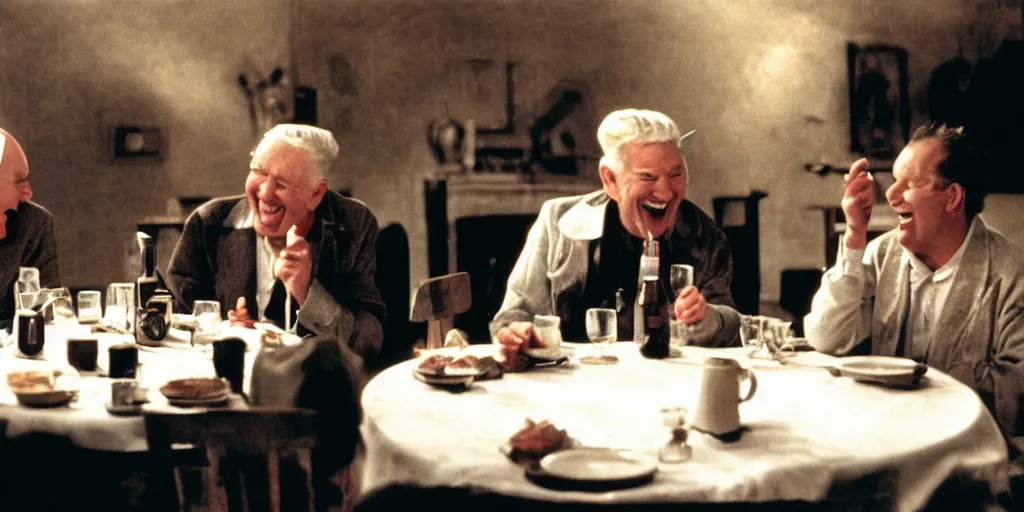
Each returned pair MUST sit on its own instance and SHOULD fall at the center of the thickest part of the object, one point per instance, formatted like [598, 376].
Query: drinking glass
[549, 329]
[120, 310]
[675, 449]
[602, 330]
[208, 321]
[90, 310]
[26, 288]
[751, 327]
[680, 276]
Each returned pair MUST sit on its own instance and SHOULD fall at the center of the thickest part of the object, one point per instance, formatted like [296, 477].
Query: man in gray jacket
[584, 251]
[26, 229]
[941, 288]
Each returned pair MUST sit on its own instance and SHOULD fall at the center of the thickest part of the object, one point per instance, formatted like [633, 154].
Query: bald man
[26, 229]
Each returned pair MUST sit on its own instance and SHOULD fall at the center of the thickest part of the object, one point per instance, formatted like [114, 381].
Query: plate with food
[535, 440]
[211, 401]
[196, 389]
[44, 388]
[440, 365]
[891, 371]
[550, 354]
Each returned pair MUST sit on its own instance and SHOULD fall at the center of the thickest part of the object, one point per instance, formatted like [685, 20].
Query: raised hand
[858, 199]
[690, 306]
[239, 317]
[294, 266]
[515, 337]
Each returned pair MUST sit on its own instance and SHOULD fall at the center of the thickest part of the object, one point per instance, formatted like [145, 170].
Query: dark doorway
[487, 247]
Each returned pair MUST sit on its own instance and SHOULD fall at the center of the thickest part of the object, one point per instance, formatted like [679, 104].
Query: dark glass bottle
[655, 316]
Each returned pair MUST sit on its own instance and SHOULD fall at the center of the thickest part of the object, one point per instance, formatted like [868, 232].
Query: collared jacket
[980, 333]
[29, 243]
[555, 261]
[215, 259]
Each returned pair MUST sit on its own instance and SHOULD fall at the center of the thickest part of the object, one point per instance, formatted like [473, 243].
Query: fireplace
[478, 223]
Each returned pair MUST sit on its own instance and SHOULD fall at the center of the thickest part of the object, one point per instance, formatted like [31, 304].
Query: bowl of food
[43, 388]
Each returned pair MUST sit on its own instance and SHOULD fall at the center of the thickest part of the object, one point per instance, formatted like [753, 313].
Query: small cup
[30, 331]
[82, 353]
[549, 328]
[90, 309]
[124, 361]
[229, 361]
[122, 392]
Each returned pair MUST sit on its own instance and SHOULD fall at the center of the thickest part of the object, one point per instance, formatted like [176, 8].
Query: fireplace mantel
[497, 194]
[457, 196]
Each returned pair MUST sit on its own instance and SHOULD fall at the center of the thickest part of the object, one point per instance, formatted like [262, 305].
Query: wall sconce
[136, 144]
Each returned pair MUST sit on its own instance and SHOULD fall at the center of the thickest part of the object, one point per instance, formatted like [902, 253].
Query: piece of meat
[434, 365]
[536, 440]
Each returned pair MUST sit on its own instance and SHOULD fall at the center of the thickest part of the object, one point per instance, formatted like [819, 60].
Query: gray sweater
[981, 340]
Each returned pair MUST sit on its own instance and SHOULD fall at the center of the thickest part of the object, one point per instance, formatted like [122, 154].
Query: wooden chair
[245, 460]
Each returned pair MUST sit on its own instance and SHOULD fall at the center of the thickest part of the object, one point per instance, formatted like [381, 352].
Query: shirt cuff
[851, 262]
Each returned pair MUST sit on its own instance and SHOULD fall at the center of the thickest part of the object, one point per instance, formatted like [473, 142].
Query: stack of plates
[196, 392]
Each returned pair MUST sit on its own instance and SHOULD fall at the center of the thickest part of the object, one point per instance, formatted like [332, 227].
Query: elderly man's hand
[294, 266]
[858, 199]
[690, 306]
[515, 337]
[239, 317]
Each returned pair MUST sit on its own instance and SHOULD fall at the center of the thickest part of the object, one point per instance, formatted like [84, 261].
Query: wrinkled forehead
[281, 159]
[920, 160]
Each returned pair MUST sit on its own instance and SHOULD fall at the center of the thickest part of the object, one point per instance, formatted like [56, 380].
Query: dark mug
[229, 361]
[82, 353]
[124, 360]
[30, 330]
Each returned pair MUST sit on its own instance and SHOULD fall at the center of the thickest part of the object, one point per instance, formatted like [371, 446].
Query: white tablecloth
[807, 430]
[86, 421]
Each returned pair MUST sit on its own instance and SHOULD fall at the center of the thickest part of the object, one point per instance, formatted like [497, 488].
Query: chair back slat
[252, 459]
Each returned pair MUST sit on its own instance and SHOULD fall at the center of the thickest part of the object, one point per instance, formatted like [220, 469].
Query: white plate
[598, 464]
[897, 371]
[199, 402]
[444, 381]
[549, 354]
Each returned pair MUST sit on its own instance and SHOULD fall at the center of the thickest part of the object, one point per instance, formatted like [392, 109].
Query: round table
[86, 421]
[807, 431]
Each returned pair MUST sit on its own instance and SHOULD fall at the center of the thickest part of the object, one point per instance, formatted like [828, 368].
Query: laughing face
[650, 187]
[926, 203]
[280, 188]
[14, 186]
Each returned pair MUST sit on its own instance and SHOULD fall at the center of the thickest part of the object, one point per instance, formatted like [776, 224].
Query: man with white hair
[584, 251]
[289, 241]
[294, 253]
[26, 229]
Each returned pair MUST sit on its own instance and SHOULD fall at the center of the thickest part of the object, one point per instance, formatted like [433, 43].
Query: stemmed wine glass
[602, 330]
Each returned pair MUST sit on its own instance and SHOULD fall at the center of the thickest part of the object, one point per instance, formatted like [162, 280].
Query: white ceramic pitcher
[718, 406]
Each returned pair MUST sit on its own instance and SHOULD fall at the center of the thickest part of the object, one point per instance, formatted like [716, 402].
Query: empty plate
[599, 465]
[895, 371]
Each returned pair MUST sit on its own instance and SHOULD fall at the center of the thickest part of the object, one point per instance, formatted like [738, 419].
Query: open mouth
[270, 215]
[905, 216]
[654, 209]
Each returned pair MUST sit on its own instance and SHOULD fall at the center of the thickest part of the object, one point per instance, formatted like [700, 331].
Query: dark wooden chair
[234, 460]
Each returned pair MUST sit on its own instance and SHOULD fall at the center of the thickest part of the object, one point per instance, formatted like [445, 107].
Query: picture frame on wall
[879, 99]
[136, 145]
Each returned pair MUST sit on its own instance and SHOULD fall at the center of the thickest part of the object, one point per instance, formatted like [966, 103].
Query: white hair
[319, 144]
[632, 126]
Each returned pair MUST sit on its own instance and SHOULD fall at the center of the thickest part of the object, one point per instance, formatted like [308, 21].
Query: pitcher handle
[752, 378]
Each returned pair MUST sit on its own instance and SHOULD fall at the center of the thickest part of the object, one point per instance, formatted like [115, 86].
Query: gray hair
[632, 126]
[319, 144]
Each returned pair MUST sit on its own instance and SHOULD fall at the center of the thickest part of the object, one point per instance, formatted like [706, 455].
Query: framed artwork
[136, 144]
[879, 99]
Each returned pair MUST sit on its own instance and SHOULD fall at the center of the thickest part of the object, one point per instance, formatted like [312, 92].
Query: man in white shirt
[941, 288]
